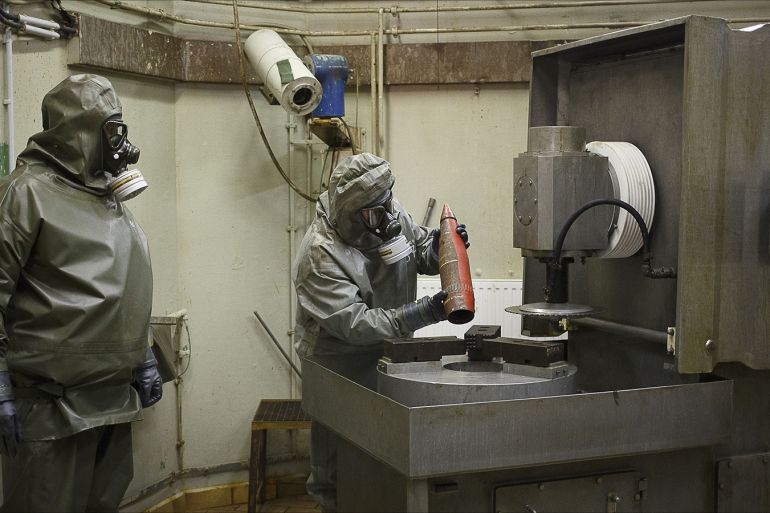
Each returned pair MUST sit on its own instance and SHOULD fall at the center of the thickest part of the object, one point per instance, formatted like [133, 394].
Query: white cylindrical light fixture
[39, 32]
[38, 22]
[282, 72]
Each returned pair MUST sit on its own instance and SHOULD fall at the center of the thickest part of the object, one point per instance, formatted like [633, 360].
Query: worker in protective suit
[75, 300]
[356, 281]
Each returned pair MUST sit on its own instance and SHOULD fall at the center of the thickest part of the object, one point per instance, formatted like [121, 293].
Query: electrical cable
[647, 268]
[350, 137]
[323, 172]
[254, 109]
[10, 20]
[189, 346]
[10, 24]
[307, 44]
[68, 18]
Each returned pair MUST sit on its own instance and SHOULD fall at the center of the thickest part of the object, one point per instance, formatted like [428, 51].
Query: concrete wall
[219, 218]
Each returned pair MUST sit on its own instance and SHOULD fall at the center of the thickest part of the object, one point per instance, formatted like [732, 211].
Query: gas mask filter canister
[119, 152]
[128, 184]
[394, 250]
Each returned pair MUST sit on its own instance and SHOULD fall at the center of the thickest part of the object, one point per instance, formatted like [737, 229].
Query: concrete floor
[297, 504]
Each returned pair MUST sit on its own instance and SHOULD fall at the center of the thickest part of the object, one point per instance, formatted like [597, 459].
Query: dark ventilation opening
[302, 96]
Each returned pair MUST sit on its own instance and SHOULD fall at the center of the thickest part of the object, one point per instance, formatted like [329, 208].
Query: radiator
[492, 298]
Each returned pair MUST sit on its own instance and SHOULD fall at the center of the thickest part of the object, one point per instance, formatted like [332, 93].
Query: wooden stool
[271, 414]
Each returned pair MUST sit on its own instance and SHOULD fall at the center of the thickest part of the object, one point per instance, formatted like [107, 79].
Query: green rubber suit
[75, 302]
[348, 299]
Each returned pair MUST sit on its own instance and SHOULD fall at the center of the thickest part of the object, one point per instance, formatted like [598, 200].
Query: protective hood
[357, 182]
[71, 140]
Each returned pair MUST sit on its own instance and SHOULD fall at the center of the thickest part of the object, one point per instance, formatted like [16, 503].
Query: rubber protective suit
[75, 299]
[348, 299]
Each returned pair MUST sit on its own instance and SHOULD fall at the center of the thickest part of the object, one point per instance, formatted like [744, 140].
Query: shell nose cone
[446, 212]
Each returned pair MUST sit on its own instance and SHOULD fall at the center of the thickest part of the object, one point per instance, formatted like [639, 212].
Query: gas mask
[381, 219]
[118, 153]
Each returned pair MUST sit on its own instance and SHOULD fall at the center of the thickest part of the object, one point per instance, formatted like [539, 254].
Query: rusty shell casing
[455, 271]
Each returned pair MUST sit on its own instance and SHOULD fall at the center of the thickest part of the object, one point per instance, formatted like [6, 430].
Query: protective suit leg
[322, 483]
[113, 470]
[88, 471]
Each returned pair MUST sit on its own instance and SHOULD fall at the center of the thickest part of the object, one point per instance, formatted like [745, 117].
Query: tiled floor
[298, 504]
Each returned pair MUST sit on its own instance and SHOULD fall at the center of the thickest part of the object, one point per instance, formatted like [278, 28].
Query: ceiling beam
[124, 48]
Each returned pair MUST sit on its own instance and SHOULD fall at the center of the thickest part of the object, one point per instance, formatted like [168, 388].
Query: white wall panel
[492, 298]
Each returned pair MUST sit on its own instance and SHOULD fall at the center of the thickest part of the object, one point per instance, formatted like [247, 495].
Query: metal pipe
[40, 23]
[181, 316]
[292, 229]
[275, 341]
[237, 466]
[179, 427]
[373, 92]
[8, 100]
[176, 476]
[166, 16]
[462, 8]
[380, 87]
[163, 15]
[633, 332]
[428, 211]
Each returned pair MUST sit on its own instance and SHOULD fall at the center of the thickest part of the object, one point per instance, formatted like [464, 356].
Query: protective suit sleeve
[427, 259]
[334, 301]
[19, 223]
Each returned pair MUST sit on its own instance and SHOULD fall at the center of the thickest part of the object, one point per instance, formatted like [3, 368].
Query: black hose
[350, 136]
[7, 19]
[647, 268]
[595, 203]
[10, 16]
[277, 165]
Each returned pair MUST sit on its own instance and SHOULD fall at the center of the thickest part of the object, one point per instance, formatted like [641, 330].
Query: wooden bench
[271, 414]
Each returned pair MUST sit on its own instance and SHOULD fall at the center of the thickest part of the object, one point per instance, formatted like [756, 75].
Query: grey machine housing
[676, 426]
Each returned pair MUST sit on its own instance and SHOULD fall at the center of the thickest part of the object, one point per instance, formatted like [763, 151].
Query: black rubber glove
[148, 383]
[425, 311]
[461, 231]
[10, 430]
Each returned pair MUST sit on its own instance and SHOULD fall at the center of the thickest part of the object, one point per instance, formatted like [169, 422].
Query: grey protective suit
[348, 299]
[75, 299]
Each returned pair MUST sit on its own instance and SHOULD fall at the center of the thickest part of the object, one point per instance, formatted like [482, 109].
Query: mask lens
[115, 133]
[373, 216]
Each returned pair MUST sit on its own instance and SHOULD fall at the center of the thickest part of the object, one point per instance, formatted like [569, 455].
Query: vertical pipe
[178, 397]
[8, 100]
[179, 431]
[380, 88]
[290, 126]
[181, 319]
[373, 86]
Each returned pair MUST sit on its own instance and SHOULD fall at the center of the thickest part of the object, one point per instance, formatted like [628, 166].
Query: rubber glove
[10, 429]
[424, 312]
[148, 383]
[462, 231]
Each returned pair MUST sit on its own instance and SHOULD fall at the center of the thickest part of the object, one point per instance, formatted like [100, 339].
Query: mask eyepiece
[115, 133]
[381, 218]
